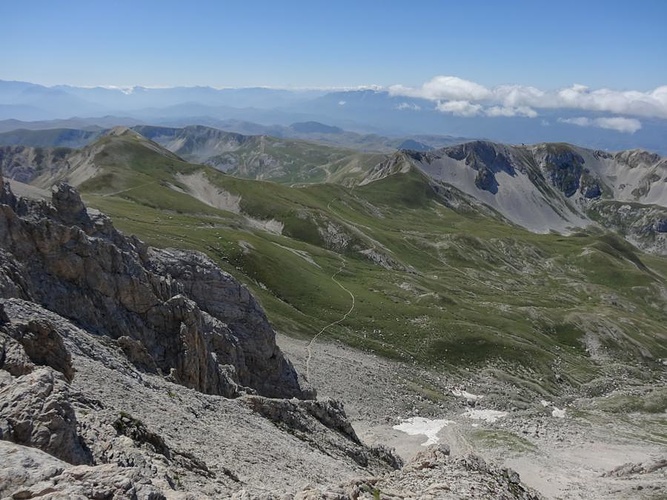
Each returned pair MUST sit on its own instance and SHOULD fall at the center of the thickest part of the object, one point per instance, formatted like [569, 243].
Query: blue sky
[546, 44]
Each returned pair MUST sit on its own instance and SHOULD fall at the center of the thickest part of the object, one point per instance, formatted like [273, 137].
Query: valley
[406, 284]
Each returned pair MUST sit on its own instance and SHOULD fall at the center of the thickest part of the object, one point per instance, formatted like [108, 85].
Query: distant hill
[413, 145]
[263, 157]
[57, 137]
[315, 128]
[321, 133]
[544, 187]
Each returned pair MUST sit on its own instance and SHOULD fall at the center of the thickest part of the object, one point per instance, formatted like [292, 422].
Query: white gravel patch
[489, 416]
[460, 393]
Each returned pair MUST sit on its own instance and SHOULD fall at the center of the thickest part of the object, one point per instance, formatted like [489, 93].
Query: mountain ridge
[542, 187]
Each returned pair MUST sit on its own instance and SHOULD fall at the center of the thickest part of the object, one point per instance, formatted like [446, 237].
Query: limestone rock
[311, 421]
[41, 345]
[432, 475]
[36, 411]
[197, 324]
[28, 473]
[69, 206]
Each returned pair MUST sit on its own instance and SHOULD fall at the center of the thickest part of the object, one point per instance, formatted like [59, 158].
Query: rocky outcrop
[198, 325]
[257, 361]
[29, 473]
[311, 421]
[97, 332]
[431, 475]
[138, 431]
[36, 412]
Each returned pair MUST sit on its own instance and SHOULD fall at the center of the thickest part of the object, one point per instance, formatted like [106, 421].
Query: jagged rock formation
[196, 323]
[31, 473]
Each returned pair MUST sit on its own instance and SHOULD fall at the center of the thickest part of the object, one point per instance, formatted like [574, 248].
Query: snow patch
[558, 413]
[555, 412]
[420, 426]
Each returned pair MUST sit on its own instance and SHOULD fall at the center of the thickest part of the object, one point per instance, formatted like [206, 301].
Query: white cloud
[618, 123]
[342, 103]
[581, 121]
[518, 95]
[409, 106]
[459, 108]
[450, 88]
[510, 111]
[518, 99]
[628, 125]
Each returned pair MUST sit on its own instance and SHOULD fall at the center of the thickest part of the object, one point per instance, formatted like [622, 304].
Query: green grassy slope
[433, 286]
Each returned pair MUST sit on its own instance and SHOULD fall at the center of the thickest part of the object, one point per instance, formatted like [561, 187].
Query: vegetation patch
[503, 440]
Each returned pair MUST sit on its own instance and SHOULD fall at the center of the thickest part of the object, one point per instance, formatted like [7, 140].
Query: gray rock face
[311, 421]
[28, 473]
[113, 360]
[260, 364]
[196, 323]
[141, 431]
[36, 412]
[24, 163]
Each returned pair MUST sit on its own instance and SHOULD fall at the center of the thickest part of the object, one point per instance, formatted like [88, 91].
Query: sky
[548, 45]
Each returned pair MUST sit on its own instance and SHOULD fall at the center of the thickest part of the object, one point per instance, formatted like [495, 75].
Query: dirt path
[309, 347]
[128, 189]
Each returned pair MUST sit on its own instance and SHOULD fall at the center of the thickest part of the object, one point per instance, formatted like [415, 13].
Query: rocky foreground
[132, 372]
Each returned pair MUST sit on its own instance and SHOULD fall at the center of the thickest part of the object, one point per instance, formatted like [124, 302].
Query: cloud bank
[618, 123]
[466, 98]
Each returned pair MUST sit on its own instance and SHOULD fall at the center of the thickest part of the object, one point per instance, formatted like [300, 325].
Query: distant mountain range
[78, 132]
[366, 111]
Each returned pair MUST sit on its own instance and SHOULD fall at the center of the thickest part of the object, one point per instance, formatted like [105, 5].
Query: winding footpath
[309, 347]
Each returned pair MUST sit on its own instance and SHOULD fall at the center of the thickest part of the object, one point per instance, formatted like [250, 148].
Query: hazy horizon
[557, 70]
